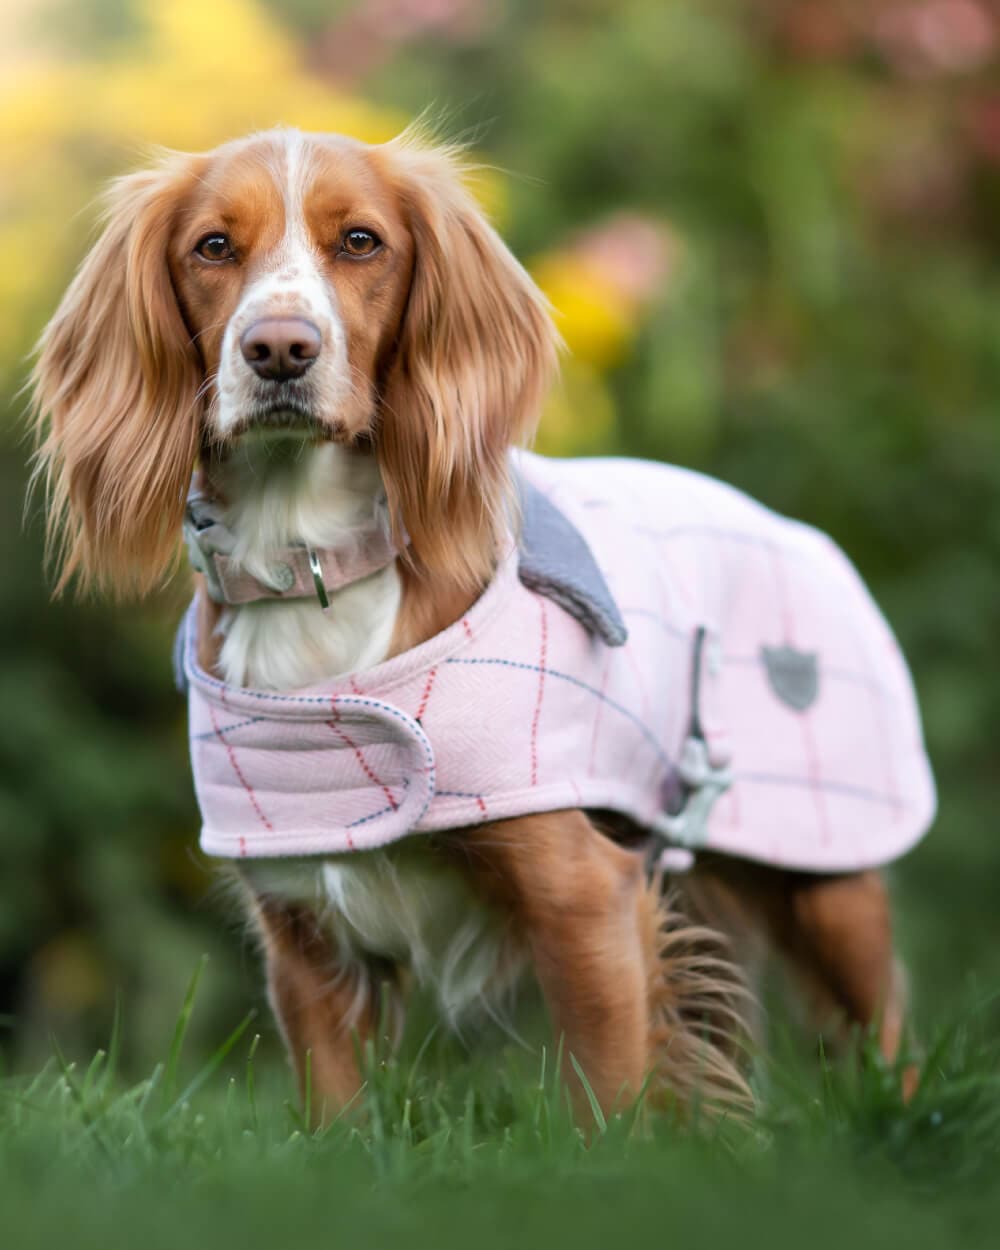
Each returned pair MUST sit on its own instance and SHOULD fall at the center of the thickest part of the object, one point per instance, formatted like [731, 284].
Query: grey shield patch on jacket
[794, 675]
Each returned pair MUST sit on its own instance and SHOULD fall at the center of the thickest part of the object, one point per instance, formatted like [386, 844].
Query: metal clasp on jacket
[704, 782]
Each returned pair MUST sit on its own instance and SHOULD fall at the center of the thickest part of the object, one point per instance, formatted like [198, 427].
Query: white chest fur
[403, 904]
[284, 491]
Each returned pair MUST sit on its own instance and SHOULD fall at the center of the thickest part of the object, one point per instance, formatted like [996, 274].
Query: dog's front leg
[578, 901]
[325, 1006]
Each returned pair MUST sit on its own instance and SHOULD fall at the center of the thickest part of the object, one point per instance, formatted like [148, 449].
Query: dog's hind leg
[325, 1006]
[837, 934]
[833, 931]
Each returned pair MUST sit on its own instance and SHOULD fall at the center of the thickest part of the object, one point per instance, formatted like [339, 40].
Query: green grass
[450, 1148]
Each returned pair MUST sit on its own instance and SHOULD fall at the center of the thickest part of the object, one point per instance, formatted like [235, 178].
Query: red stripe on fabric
[815, 781]
[597, 715]
[678, 581]
[681, 585]
[239, 773]
[427, 693]
[639, 682]
[781, 585]
[543, 659]
[888, 765]
[808, 738]
[360, 756]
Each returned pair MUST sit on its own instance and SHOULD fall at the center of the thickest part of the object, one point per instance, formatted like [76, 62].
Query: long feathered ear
[474, 357]
[116, 393]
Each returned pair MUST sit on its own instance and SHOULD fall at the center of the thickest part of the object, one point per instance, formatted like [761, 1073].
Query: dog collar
[295, 572]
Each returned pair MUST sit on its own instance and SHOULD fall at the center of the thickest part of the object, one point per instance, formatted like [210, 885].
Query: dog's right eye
[214, 247]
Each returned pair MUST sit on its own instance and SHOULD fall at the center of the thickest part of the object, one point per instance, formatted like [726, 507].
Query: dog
[458, 712]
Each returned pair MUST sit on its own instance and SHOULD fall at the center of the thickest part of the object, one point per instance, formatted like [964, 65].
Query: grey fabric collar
[556, 561]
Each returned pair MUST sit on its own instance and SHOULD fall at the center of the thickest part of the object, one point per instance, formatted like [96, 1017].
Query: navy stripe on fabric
[524, 667]
[240, 724]
[834, 787]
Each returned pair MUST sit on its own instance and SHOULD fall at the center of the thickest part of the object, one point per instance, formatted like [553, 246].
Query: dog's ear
[473, 359]
[116, 394]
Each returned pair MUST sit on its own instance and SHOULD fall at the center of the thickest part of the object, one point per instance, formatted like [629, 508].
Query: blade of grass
[208, 1069]
[540, 1108]
[252, 1085]
[90, 1076]
[114, 1043]
[419, 1057]
[77, 1095]
[639, 1106]
[307, 1092]
[180, 1031]
[467, 1123]
[595, 1106]
[155, 1077]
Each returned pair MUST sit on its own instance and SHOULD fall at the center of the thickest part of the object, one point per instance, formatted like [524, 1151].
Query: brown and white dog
[311, 321]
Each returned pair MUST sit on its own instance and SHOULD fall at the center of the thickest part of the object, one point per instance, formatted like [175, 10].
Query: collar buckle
[202, 549]
[317, 575]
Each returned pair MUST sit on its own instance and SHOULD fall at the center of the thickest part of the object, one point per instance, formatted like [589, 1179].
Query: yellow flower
[579, 414]
[601, 282]
[594, 317]
[67, 124]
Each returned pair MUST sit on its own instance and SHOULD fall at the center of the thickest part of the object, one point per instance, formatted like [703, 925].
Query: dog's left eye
[360, 243]
[214, 247]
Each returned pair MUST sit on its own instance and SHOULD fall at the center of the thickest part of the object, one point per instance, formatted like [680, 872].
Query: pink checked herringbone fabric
[516, 708]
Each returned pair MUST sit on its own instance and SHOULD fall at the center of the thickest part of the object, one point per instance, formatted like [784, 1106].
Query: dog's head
[289, 284]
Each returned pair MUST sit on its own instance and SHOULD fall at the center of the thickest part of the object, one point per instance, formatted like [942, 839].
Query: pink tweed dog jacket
[756, 672]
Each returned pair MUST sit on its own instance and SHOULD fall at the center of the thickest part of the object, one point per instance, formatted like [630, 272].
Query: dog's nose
[280, 348]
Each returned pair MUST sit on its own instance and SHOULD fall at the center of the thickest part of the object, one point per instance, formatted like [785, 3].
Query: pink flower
[935, 37]
[371, 33]
[399, 20]
[636, 255]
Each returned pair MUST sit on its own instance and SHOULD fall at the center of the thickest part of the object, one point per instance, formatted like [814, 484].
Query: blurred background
[771, 229]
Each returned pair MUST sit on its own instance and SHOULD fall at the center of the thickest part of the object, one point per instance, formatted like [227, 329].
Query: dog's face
[308, 285]
[292, 262]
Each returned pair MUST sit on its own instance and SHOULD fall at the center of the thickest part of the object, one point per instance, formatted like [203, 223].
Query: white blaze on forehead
[290, 283]
[293, 276]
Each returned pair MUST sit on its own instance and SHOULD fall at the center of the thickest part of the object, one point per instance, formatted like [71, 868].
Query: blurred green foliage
[822, 180]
